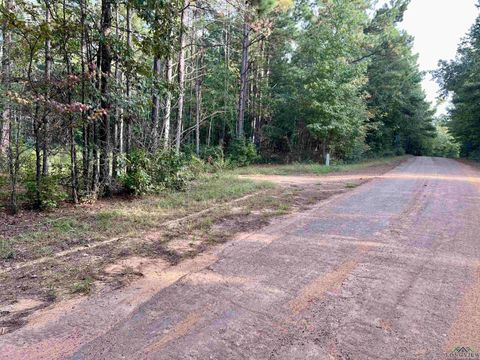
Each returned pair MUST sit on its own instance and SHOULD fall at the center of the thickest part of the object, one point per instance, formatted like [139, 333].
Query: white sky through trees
[438, 27]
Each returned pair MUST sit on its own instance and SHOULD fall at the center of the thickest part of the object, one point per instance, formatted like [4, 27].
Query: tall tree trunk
[243, 75]
[128, 117]
[13, 159]
[38, 160]
[48, 74]
[227, 110]
[73, 163]
[259, 122]
[198, 92]
[181, 76]
[198, 111]
[104, 126]
[155, 105]
[9, 122]
[71, 123]
[86, 129]
[168, 104]
[117, 123]
[6, 113]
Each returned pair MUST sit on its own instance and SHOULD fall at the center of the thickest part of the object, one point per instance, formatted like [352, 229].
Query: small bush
[196, 166]
[51, 193]
[137, 180]
[213, 154]
[242, 153]
[160, 171]
[170, 170]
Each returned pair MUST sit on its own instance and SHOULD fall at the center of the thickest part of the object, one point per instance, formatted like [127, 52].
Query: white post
[327, 160]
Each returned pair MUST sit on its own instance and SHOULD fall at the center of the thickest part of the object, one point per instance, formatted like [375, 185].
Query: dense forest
[460, 79]
[104, 95]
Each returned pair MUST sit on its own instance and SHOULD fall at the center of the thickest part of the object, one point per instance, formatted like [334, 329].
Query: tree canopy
[460, 78]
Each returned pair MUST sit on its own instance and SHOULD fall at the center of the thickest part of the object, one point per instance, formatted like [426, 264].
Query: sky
[438, 27]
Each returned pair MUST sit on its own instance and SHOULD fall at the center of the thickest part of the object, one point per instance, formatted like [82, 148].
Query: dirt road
[389, 270]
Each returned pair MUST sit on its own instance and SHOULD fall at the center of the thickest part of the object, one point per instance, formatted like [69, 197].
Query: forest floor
[47, 257]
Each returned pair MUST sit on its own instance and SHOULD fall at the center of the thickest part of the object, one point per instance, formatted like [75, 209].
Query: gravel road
[389, 270]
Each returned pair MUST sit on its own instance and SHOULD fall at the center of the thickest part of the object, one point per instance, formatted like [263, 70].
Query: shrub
[196, 166]
[213, 154]
[400, 151]
[137, 180]
[242, 153]
[157, 172]
[51, 191]
[214, 158]
[444, 145]
[170, 170]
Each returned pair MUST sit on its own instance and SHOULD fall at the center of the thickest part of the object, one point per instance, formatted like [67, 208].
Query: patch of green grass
[283, 207]
[225, 187]
[44, 251]
[30, 236]
[105, 217]
[311, 168]
[69, 225]
[351, 185]
[211, 189]
[6, 250]
[82, 287]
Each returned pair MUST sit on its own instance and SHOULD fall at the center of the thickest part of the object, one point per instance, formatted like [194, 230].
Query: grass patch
[82, 287]
[6, 250]
[312, 168]
[212, 188]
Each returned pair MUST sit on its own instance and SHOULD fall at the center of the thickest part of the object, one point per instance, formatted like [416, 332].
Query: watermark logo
[463, 352]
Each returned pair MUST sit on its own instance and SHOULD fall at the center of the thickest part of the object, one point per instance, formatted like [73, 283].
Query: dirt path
[389, 270]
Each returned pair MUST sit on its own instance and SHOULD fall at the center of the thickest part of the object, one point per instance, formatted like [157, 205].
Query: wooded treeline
[100, 93]
[460, 79]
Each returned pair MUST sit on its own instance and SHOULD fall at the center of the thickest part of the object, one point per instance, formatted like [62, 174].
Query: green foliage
[400, 118]
[51, 194]
[48, 192]
[212, 154]
[162, 170]
[350, 85]
[461, 78]
[444, 144]
[137, 179]
[330, 99]
[242, 153]
[333, 76]
[214, 158]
